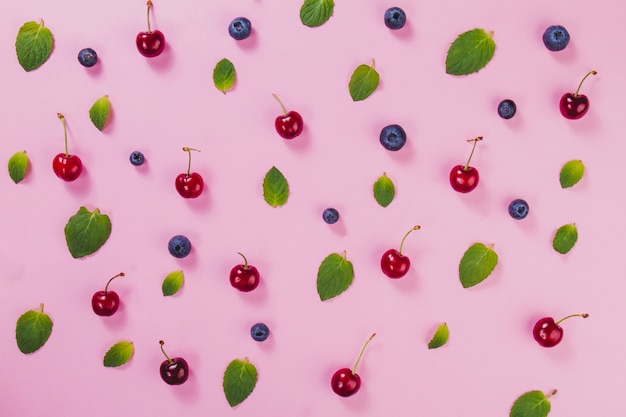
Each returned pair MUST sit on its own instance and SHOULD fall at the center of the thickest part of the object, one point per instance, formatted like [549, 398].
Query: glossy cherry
[105, 303]
[573, 105]
[548, 333]
[289, 124]
[174, 371]
[150, 43]
[65, 166]
[244, 277]
[190, 184]
[393, 263]
[345, 381]
[465, 178]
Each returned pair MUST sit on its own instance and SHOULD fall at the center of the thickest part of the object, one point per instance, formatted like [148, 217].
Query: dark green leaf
[363, 82]
[32, 330]
[440, 337]
[275, 188]
[470, 52]
[565, 238]
[571, 173]
[118, 354]
[384, 190]
[18, 164]
[532, 404]
[86, 232]
[240, 379]
[99, 112]
[334, 276]
[172, 283]
[316, 12]
[478, 263]
[33, 45]
[224, 75]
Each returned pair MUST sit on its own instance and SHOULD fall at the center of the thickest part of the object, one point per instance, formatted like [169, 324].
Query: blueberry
[518, 209]
[392, 137]
[395, 18]
[259, 332]
[240, 28]
[330, 216]
[179, 246]
[507, 109]
[556, 38]
[137, 158]
[87, 57]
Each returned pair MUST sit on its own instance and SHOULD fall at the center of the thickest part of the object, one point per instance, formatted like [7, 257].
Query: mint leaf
[440, 337]
[18, 164]
[532, 404]
[99, 112]
[565, 238]
[334, 276]
[33, 45]
[478, 263]
[224, 75]
[32, 330]
[118, 354]
[86, 232]
[172, 283]
[316, 12]
[363, 82]
[275, 188]
[571, 173]
[470, 52]
[240, 379]
[384, 190]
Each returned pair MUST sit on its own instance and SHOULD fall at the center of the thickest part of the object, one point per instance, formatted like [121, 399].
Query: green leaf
[224, 75]
[440, 337]
[334, 276]
[571, 173]
[363, 82]
[532, 404]
[240, 378]
[316, 12]
[172, 283]
[565, 238]
[33, 45]
[470, 52]
[275, 188]
[118, 354]
[478, 263]
[18, 164]
[384, 190]
[99, 112]
[86, 232]
[32, 330]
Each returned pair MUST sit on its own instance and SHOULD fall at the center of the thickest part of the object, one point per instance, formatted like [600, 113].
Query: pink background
[163, 104]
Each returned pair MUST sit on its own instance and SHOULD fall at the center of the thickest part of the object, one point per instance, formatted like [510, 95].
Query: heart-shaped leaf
[532, 404]
[118, 354]
[18, 164]
[172, 283]
[33, 45]
[470, 52]
[571, 173]
[32, 330]
[316, 12]
[275, 188]
[477, 263]
[240, 378]
[384, 190]
[565, 238]
[224, 75]
[440, 337]
[99, 112]
[363, 82]
[86, 232]
[334, 276]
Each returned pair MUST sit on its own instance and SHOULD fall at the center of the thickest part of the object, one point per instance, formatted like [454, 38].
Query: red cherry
[105, 303]
[289, 124]
[190, 184]
[465, 178]
[244, 277]
[573, 105]
[345, 381]
[65, 166]
[174, 371]
[393, 263]
[150, 43]
[548, 333]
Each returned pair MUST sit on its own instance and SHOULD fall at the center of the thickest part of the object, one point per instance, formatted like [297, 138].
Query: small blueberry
[395, 18]
[259, 332]
[137, 158]
[556, 38]
[392, 137]
[330, 215]
[507, 109]
[179, 246]
[87, 57]
[518, 209]
[240, 28]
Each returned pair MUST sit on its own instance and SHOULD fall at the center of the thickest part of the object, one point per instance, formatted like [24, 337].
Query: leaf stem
[372, 64]
[417, 227]
[60, 116]
[41, 307]
[281, 104]
[475, 140]
[245, 261]
[594, 72]
[188, 150]
[361, 354]
[584, 316]
[550, 394]
[163, 350]
[106, 287]
[149, 4]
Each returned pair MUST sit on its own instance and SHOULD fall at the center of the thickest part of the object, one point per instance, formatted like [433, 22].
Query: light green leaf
[565, 238]
[240, 379]
[18, 164]
[334, 276]
[224, 75]
[477, 264]
[86, 232]
[275, 188]
[532, 404]
[33, 45]
[32, 330]
[440, 337]
[99, 112]
[571, 173]
[316, 12]
[363, 82]
[118, 354]
[384, 190]
[470, 52]
[172, 283]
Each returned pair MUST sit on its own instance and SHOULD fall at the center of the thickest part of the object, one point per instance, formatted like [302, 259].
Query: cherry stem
[594, 72]
[188, 150]
[148, 14]
[584, 316]
[361, 354]
[60, 116]
[550, 394]
[417, 227]
[245, 261]
[281, 104]
[163, 350]
[475, 140]
[121, 274]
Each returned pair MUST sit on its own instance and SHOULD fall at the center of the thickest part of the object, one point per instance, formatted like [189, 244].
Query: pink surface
[163, 104]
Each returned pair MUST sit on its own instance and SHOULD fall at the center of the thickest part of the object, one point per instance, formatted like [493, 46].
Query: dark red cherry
[345, 381]
[548, 333]
[244, 277]
[174, 371]
[289, 124]
[464, 178]
[189, 184]
[105, 303]
[393, 263]
[150, 43]
[573, 105]
[65, 166]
